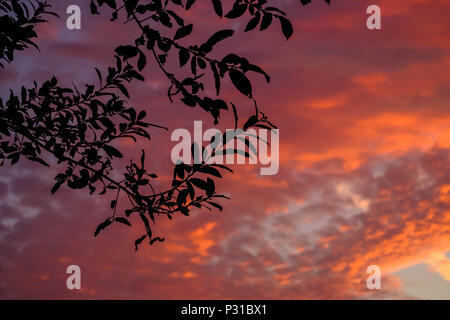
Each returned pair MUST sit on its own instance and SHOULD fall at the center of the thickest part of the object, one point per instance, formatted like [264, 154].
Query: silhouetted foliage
[80, 127]
[17, 24]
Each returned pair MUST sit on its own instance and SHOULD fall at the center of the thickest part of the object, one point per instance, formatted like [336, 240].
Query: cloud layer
[364, 176]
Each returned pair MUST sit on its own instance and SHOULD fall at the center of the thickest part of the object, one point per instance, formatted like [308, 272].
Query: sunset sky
[364, 119]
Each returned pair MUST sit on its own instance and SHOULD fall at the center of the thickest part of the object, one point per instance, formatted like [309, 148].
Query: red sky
[364, 179]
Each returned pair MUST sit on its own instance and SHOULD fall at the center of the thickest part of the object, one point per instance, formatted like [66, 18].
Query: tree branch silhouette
[17, 26]
[80, 129]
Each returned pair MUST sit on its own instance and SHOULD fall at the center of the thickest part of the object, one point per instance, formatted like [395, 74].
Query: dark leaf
[250, 122]
[216, 77]
[183, 56]
[255, 68]
[123, 220]
[273, 9]
[156, 239]
[183, 32]
[102, 226]
[112, 152]
[142, 61]
[56, 187]
[189, 4]
[237, 11]
[177, 18]
[210, 187]
[127, 51]
[286, 27]
[146, 224]
[253, 23]
[219, 36]
[181, 198]
[130, 5]
[198, 183]
[266, 21]
[218, 206]
[201, 63]
[124, 90]
[217, 4]
[211, 171]
[138, 241]
[93, 8]
[241, 82]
